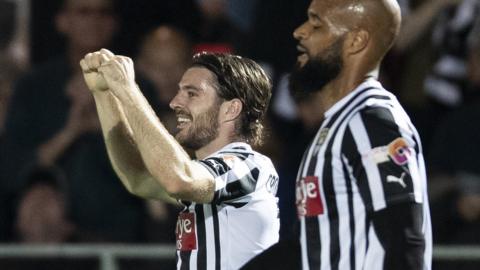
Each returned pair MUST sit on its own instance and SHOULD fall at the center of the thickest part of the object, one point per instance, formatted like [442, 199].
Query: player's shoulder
[241, 153]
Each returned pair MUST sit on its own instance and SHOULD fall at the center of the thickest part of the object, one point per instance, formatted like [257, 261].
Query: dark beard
[203, 130]
[317, 72]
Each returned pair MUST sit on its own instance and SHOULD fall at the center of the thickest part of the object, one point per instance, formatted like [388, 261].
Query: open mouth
[182, 121]
[303, 56]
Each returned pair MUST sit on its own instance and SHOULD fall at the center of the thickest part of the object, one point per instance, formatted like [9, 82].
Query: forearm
[123, 153]
[164, 158]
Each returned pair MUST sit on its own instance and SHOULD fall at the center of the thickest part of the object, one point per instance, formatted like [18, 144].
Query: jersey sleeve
[382, 155]
[236, 176]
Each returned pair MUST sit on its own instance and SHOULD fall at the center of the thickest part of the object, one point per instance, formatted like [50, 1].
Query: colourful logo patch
[399, 151]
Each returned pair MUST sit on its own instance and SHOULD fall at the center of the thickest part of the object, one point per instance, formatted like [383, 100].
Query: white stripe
[193, 258]
[359, 219]
[210, 236]
[179, 263]
[375, 256]
[325, 240]
[427, 226]
[362, 140]
[407, 131]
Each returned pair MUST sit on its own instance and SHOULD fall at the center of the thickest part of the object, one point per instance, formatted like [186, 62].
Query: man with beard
[230, 210]
[361, 187]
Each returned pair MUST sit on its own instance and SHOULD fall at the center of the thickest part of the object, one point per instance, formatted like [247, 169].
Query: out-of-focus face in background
[164, 56]
[87, 24]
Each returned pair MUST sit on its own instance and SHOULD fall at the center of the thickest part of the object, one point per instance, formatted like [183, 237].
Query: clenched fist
[103, 71]
[90, 67]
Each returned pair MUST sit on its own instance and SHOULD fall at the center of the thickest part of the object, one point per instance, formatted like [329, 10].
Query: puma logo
[394, 179]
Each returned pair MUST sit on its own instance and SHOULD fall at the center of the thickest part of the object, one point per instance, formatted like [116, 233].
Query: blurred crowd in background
[56, 182]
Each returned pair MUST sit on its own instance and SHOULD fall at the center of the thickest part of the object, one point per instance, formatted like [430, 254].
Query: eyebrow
[190, 87]
[313, 15]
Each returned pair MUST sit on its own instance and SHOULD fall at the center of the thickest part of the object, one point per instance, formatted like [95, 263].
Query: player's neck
[339, 88]
[212, 147]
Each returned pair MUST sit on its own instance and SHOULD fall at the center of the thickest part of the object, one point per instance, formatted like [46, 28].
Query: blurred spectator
[164, 55]
[42, 218]
[52, 121]
[449, 24]
[41, 215]
[13, 56]
[12, 60]
[455, 169]
[272, 42]
[216, 31]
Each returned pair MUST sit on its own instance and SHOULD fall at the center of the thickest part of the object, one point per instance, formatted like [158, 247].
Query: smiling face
[197, 107]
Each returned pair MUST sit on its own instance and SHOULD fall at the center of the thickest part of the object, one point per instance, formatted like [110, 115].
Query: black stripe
[238, 188]
[314, 245]
[331, 204]
[381, 130]
[201, 237]
[185, 256]
[351, 151]
[216, 231]
[236, 205]
[217, 165]
[351, 214]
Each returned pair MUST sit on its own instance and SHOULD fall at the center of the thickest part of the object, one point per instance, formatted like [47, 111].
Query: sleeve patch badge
[398, 151]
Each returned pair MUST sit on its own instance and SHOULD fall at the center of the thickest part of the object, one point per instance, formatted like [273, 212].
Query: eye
[316, 24]
[191, 94]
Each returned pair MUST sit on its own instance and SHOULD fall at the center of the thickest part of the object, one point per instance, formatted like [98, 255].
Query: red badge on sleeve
[185, 232]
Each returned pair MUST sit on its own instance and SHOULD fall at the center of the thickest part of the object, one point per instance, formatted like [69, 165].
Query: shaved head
[342, 39]
[380, 18]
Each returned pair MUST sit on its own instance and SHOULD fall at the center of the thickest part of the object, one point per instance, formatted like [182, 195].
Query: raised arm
[122, 151]
[140, 148]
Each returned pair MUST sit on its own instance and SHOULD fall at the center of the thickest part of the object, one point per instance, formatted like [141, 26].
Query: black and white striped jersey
[366, 157]
[242, 219]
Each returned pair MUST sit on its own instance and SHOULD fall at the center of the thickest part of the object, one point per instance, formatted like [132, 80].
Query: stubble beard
[202, 130]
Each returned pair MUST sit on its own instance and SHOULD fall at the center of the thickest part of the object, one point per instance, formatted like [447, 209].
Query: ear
[357, 41]
[232, 109]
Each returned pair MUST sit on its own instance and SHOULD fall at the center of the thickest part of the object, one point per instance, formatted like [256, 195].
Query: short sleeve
[235, 175]
[383, 156]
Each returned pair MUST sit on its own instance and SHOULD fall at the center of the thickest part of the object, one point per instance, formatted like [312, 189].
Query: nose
[300, 32]
[176, 102]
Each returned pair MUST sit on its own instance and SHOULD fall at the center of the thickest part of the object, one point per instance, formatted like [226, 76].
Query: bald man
[361, 186]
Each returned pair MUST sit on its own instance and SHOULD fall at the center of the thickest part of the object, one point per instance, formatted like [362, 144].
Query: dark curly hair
[242, 78]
